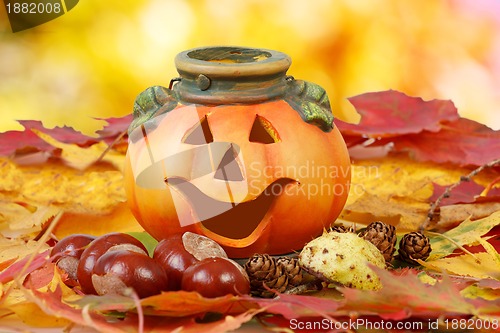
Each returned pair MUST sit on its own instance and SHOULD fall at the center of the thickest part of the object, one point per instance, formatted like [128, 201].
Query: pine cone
[383, 236]
[414, 246]
[263, 270]
[292, 269]
[340, 228]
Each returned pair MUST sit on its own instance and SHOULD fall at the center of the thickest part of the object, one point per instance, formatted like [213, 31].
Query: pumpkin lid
[230, 74]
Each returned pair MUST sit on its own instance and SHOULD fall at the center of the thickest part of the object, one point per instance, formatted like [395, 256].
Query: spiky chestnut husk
[342, 258]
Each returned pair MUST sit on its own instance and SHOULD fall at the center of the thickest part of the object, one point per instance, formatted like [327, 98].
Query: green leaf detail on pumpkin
[150, 103]
[311, 102]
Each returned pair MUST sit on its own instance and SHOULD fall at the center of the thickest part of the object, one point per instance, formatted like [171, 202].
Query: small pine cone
[293, 270]
[340, 228]
[383, 236]
[414, 246]
[263, 270]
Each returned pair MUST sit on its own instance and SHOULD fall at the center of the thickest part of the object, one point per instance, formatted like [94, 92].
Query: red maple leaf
[392, 113]
[427, 130]
[463, 142]
[489, 283]
[466, 192]
[25, 265]
[27, 141]
[114, 128]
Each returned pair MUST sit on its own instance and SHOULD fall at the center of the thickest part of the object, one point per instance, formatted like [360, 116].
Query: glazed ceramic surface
[238, 151]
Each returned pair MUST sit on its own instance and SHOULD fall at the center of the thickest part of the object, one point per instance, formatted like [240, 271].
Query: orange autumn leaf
[6, 263]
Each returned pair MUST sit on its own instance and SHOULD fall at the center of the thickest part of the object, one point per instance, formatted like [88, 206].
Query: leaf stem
[435, 206]
[451, 240]
[115, 141]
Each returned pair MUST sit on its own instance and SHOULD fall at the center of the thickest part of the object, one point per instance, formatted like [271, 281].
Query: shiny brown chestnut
[173, 257]
[99, 246]
[115, 271]
[178, 252]
[215, 277]
[67, 252]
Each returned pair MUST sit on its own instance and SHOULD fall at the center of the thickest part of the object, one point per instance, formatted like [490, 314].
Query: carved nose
[229, 169]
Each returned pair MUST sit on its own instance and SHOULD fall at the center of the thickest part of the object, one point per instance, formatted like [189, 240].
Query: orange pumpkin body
[243, 155]
[313, 167]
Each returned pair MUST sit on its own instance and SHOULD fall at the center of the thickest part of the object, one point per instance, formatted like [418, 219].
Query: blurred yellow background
[94, 60]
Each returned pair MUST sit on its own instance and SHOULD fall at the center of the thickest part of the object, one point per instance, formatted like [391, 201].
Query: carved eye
[199, 134]
[229, 169]
[263, 131]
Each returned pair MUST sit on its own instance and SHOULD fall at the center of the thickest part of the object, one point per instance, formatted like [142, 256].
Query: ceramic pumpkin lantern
[236, 151]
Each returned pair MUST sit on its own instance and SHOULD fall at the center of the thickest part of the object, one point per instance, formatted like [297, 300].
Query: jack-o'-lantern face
[255, 178]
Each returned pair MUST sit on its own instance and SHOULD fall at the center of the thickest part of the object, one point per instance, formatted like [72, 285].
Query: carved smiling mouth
[229, 219]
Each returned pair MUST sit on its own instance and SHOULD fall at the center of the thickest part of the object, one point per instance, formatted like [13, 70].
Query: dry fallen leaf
[467, 233]
[429, 131]
[398, 190]
[392, 114]
[81, 158]
[481, 265]
[405, 295]
[58, 171]
[93, 199]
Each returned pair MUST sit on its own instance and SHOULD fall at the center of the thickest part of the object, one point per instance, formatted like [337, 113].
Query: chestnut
[202, 247]
[173, 257]
[215, 277]
[99, 246]
[177, 252]
[115, 271]
[67, 252]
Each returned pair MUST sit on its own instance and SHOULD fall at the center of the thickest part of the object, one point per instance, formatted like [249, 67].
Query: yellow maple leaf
[93, 200]
[31, 224]
[12, 179]
[396, 190]
[467, 233]
[96, 189]
[11, 211]
[25, 311]
[473, 291]
[16, 248]
[120, 219]
[482, 265]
